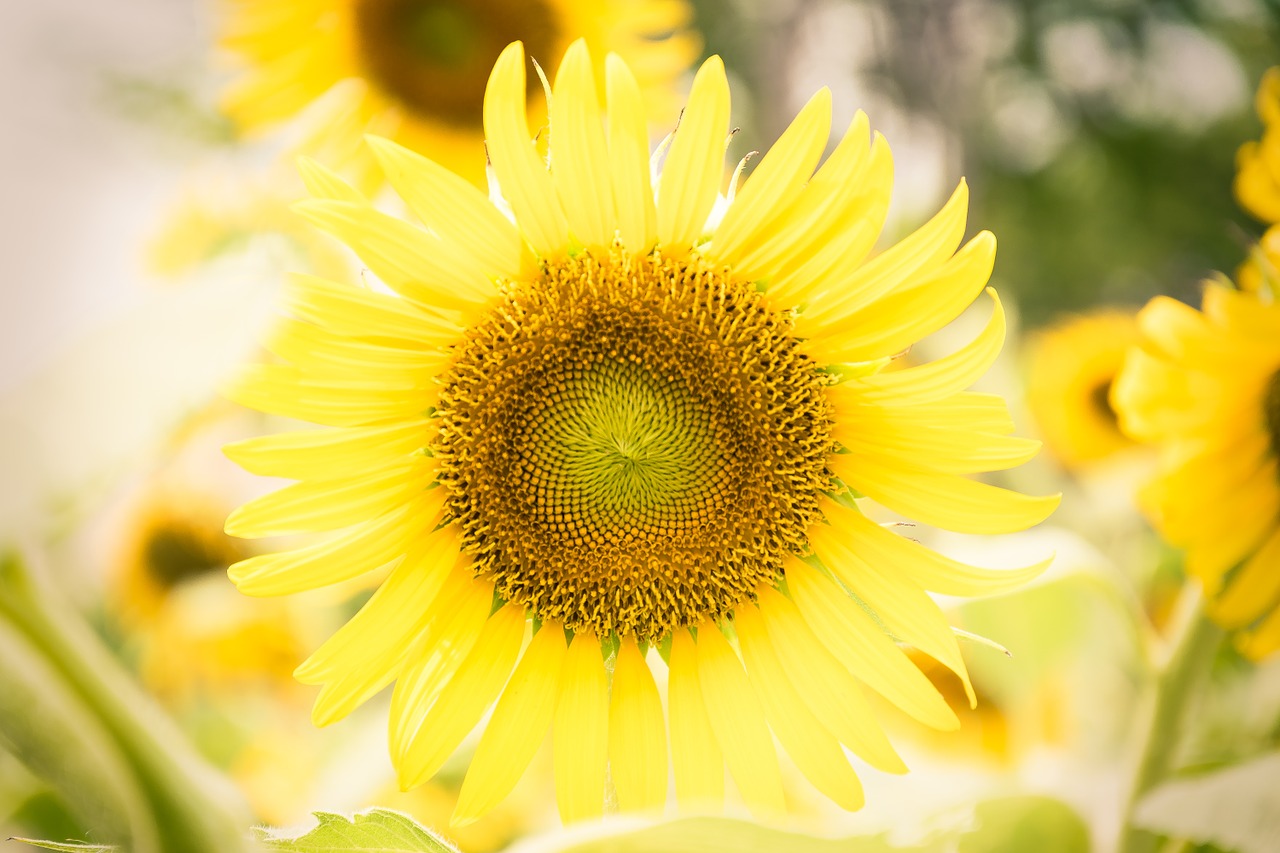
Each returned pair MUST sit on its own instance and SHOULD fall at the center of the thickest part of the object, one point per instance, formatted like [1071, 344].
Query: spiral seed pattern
[632, 445]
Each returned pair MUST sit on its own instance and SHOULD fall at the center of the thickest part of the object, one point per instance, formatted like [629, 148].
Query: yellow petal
[367, 652]
[521, 174]
[942, 377]
[453, 624]
[360, 312]
[899, 603]
[580, 735]
[637, 733]
[854, 638]
[941, 448]
[313, 349]
[944, 500]
[629, 158]
[895, 322]
[695, 755]
[283, 389]
[469, 693]
[579, 156]
[365, 547]
[321, 505]
[794, 233]
[814, 750]
[694, 167]
[777, 181]
[966, 411]
[451, 207]
[323, 183]
[313, 453]
[415, 263]
[1254, 590]
[918, 254]
[517, 728]
[829, 691]
[925, 566]
[738, 724]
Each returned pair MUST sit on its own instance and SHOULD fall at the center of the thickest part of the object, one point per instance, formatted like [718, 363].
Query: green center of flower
[175, 552]
[632, 445]
[434, 56]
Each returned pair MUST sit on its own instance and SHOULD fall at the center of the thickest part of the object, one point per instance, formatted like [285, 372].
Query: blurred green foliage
[1104, 173]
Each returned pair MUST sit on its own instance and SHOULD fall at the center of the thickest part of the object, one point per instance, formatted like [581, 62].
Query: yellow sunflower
[1070, 368]
[1203, 386]
[415, 70]
[1257, 183]
[170, 594]
[1260, 273]
[592, 425]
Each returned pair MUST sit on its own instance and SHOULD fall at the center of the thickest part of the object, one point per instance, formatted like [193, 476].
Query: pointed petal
[778, 180]
[695, 755]
[694, 169]
[581, 731]
[453, 625]
[814, 750]
[738, 724]
[469, 693]
[525, 181]
[853, 637]
[629, 158]
[637, 733]
[517, 728]
[579, 156]
[451, 207]
[831, 693]
[351, 553]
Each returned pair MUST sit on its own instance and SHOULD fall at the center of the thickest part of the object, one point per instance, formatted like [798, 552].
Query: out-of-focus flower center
[632, 445]
[434, 56]
[1271, 411]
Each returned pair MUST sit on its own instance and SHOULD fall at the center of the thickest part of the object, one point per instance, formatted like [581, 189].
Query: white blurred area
[99, 361]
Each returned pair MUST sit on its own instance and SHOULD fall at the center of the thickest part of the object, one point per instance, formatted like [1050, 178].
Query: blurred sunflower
[620, 423]
[1204, 386]
[1257, 183]
[415, 70]
[169, 594]
[1260, 273]
[1070, 370]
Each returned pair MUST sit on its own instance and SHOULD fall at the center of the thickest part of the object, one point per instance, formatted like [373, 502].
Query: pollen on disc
[632, 445]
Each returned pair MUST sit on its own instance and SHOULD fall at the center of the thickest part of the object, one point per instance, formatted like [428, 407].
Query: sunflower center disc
[434, 56]
[632, 445]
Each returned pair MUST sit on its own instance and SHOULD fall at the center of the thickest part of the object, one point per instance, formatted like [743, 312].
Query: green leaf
[1017, 824]
[68, 846]
[711, 835]
[377, 829]
[1237, 808]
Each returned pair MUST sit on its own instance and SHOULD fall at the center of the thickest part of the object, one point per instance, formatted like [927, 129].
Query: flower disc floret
[632, 445]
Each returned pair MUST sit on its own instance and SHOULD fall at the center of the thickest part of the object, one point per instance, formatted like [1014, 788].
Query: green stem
[1188, 666]
[191, 807]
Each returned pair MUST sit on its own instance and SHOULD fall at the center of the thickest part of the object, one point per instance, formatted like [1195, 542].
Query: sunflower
[1070, 368]
[1204, 386]
[415, 70]
[169, 593]
[607, 428]
[1257, 183]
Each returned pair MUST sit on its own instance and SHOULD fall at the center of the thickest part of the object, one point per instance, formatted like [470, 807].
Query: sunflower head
[594, 423]
[1071, 369]
[1203, 387]
[416, 70]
